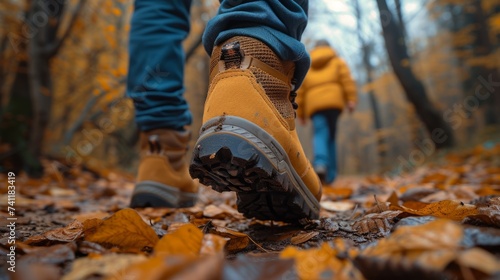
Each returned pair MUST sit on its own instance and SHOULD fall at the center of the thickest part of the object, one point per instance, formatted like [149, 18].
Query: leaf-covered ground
[441, 221]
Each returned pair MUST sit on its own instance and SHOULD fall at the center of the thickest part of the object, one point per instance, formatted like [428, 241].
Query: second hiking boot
[163, 179]
[248, 142]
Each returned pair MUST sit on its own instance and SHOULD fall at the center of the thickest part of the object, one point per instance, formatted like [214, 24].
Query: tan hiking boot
[248, 141]
[163, 179]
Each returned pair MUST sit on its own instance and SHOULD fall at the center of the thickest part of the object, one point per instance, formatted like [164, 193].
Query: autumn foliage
[443, 220]
[67, 132]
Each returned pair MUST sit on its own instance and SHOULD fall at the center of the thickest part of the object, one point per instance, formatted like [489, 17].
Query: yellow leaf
[185, 241]
[449, 209]
[82, 217]
[126, 230]
[321, 263]
[432, 245]
[212, 245]
[237, 240]
[479, 259]
[107, 265]
[303, 237]
[159, 267]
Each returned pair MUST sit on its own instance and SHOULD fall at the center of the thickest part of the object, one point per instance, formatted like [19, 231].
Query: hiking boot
[248, 142]
[163, 179]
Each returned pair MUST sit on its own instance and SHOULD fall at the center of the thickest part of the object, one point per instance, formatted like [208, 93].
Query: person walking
[248, 142]
[327, 89]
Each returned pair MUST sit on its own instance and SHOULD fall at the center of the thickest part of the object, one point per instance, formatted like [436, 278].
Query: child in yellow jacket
[327, 89]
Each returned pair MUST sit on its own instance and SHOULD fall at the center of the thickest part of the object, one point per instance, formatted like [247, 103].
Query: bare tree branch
[54, 48]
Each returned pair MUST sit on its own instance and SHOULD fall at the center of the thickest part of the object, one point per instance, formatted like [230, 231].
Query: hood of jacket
[321, 56]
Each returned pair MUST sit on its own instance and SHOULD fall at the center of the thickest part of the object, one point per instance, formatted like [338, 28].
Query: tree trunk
[366, 52]
[42, 47]
[439, 130]
[401, 21]
[484, 47]
[41, 96]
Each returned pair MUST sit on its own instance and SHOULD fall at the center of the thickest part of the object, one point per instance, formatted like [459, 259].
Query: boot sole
[233, 154]
[154, 194]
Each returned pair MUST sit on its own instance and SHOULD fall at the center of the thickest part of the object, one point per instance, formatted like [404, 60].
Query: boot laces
[293, 96]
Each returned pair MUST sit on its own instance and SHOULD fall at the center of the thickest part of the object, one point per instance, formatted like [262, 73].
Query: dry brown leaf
[437, 177]
[90, 225]
[67, 234]
[61, 192]
[237, 240]
[215, 212]
[415, 205]
[438, 196]
[154, 268]
[488, 190]
[174, 227]
[22, 201]
[125, 230]
[489, 213]
[212, 245]
[173, 267]
[303, 237]
[393, 199]
[376, 223]
[479, 259]
[37, 271]
[185, 241]
[337, 206]
[57, 254]
[154, 213]
[337, 192]
[449, 209]
[432, 245]
[106, 265]
[321, 263]
[92, 215]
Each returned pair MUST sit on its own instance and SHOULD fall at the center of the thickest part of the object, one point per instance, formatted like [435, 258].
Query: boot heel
[230, 157]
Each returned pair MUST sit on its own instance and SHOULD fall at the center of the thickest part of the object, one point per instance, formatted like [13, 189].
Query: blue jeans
[156, 68]
[325, 151]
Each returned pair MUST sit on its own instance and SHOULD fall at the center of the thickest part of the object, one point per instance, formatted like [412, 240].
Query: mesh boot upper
[277, 90]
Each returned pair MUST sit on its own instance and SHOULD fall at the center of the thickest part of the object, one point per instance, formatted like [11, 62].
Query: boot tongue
[232, 55]
[170, 144]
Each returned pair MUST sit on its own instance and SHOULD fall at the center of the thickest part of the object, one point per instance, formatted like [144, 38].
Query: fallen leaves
[222, 211]
[126, 230]
[454, 210]
[177, 253]
[303, 237]
[185, 241]
[237, 241]
[431, 245]
[326, 262]
[105, 265]
[480, 260]
[427, 249]
[337, 206]
[67, 234]
[439, 222]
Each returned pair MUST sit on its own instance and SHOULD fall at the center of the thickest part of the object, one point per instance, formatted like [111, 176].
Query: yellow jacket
[328, 84]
